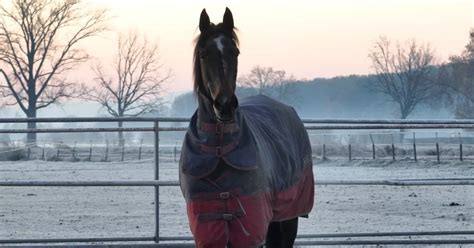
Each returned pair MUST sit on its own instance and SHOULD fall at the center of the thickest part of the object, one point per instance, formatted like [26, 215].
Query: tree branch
[138, 84]
[35, 48]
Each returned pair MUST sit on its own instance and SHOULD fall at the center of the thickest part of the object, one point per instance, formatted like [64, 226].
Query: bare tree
[457, 77]
[404, 73]
[270, 82]
[260, 78]
[38, 41]
[136, 85]
[284, 86]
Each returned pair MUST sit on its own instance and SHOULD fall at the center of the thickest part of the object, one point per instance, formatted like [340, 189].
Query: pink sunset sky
[305, 38]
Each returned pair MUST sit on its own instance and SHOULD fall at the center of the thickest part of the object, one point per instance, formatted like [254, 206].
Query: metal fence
[311, 124]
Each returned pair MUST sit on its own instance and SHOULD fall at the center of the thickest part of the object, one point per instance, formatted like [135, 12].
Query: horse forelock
[215, 31]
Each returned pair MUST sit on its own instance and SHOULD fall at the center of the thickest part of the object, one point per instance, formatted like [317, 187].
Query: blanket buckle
[219, 128]
[219, 151]
[224, 195]
[227, 216]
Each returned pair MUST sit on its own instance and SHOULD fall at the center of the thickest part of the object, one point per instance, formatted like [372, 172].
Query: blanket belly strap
[220, 216]
[219, 151]
[218, 128]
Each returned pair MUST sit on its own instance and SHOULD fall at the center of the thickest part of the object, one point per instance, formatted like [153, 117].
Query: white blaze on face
[219, 44]
[220, 47]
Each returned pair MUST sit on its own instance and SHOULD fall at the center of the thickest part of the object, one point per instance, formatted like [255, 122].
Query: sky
[307, 39]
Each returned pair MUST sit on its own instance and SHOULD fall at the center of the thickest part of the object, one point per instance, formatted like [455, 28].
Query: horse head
[215, 65]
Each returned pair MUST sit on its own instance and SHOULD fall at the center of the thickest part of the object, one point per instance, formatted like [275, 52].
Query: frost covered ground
[81, 212]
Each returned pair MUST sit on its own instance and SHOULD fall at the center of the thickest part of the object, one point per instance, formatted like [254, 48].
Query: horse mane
[199, 41]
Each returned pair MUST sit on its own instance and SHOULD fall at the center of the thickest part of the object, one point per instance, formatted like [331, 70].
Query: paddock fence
[163, 125]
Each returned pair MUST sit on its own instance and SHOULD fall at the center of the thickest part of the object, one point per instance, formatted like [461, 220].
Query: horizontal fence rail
[297, 242]
[302, 240]
[94, 119]
[403, 182]
[181, 119]
[386, 242]
[390, 126]
[301, 243]
[335, 124]
[180, 245]
[170, 129]
[92, 130]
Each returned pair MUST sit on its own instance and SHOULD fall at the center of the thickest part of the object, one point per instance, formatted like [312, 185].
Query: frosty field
[81, 212]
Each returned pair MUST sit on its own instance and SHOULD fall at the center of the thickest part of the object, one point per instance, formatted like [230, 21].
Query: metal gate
[311, 124]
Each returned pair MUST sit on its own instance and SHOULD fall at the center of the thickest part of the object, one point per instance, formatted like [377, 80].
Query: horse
[245, 169]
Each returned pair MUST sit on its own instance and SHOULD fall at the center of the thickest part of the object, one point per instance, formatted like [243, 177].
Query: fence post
[74, 151]
[373, 146]
[90, 151]
[350, 148]
[42, 154]
[460, 146]
[175, 153]
[140, 150]
[157, 176]
[324, 148]
[28, 155]
[437, 147]
[123, 150]
[414, 147]
[393, 148]
[106, 150]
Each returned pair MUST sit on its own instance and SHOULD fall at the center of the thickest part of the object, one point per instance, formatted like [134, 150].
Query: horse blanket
[238, 177]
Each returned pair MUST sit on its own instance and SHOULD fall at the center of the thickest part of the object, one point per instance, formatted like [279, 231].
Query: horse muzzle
[224, 107]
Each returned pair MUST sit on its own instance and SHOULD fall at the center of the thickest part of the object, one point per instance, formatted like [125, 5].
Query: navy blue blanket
[270, 137]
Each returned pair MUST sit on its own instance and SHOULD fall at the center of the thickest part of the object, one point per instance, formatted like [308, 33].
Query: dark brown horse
[246, 167]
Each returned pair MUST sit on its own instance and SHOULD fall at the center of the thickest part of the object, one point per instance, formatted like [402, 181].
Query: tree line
[407, 76]
[407, 73]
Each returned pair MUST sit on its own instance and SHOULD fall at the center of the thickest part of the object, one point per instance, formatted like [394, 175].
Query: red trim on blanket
[212, 233]
[248, 229]
[297, 200]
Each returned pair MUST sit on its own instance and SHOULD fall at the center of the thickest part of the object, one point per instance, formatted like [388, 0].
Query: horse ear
[228, 20]
[204, 21]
